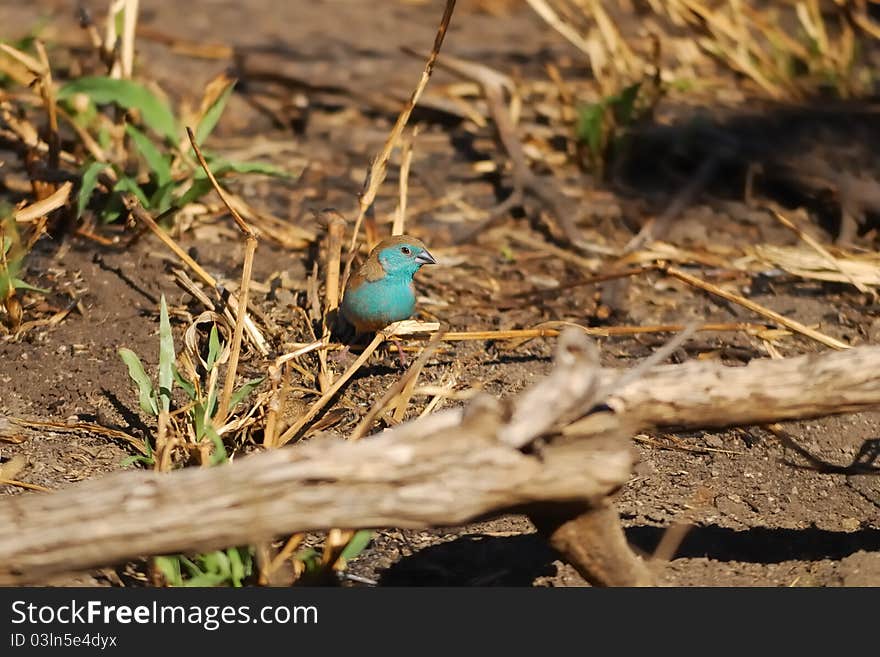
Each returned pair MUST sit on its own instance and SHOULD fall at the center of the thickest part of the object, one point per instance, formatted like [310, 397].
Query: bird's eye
[405, 250]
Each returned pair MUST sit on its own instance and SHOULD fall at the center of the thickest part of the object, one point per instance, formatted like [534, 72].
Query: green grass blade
[139, 376]
[200, 186]
[187, 386]
[157, 162]
[357, 544]
[103, 90]
[19, 284]
[166, 356]
[87, 186]
[214, 347]
[219, 455]
[170, 569]
[244, 391]
[212, 116]
[126, 184]
[221, 167]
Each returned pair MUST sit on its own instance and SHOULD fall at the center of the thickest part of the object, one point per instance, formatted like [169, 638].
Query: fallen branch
[446, 469]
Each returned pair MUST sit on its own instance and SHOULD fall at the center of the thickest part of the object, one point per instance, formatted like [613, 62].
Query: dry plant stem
[250, 248]
[795, 326]
[324, 399]
[133, 206]
[24, 484]
[821, 250]
[594, 543]
[335, 236]
[126, 51]
[398, 228]
[47, 91]
[606, 331]
[84, 427]
[276, 407]
[162, 458]
[376, 174]
[223, 409]
[283, 555]
[43, 207]
[545, 11]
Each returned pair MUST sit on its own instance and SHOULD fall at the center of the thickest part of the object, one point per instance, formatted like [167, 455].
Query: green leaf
[191, 566]
[206, 580]
[212, 116]
[19, 284]
[137, 458]
[625, 104]
[187, 386]
[137, 374]
[158, 163]
[219, 455]
[162, 198]
[311, 559]
[241, 564]
[170, 569]
[166, 356]
[222, 167]
[591, 126]
[87, 186]
[214, 347]
[200, 186]
[103, 90]
[244, 391]
[126, 184]
[357, 544]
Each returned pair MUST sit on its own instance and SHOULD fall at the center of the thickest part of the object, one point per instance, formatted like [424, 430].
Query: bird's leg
[400, 355]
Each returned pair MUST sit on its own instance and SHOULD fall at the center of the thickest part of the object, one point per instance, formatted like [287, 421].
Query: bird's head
[402, 255]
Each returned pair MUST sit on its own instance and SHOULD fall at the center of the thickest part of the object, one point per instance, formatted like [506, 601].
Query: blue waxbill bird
[382, 291]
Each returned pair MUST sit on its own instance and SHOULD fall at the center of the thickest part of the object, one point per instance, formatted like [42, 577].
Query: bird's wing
[370, 271]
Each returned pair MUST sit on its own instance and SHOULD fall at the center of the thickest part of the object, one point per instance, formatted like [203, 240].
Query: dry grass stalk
[85, 427]
[604, 331]
[325, 398]
[864, 268]
[41, 208]
[408, 380]
[283, 555]
[247, 268]
[335, 224]
[821, 250]
[126, 50]
[406, 161]
[23, 484]
[794, 325]
[379, 166]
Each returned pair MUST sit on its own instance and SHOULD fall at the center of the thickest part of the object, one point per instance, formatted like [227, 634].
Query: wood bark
[538, 451]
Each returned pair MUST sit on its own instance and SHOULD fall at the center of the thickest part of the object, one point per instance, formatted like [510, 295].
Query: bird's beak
[425, 258]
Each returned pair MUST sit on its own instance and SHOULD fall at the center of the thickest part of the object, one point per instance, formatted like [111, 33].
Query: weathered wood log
[447, 469]
[702, 394]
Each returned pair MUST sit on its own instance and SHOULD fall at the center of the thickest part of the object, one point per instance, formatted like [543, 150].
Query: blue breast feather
[384, 301]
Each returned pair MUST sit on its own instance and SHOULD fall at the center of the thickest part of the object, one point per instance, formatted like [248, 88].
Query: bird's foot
[401, 356]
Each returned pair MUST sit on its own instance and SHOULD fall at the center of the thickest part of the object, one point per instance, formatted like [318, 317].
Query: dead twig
[795, 326]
